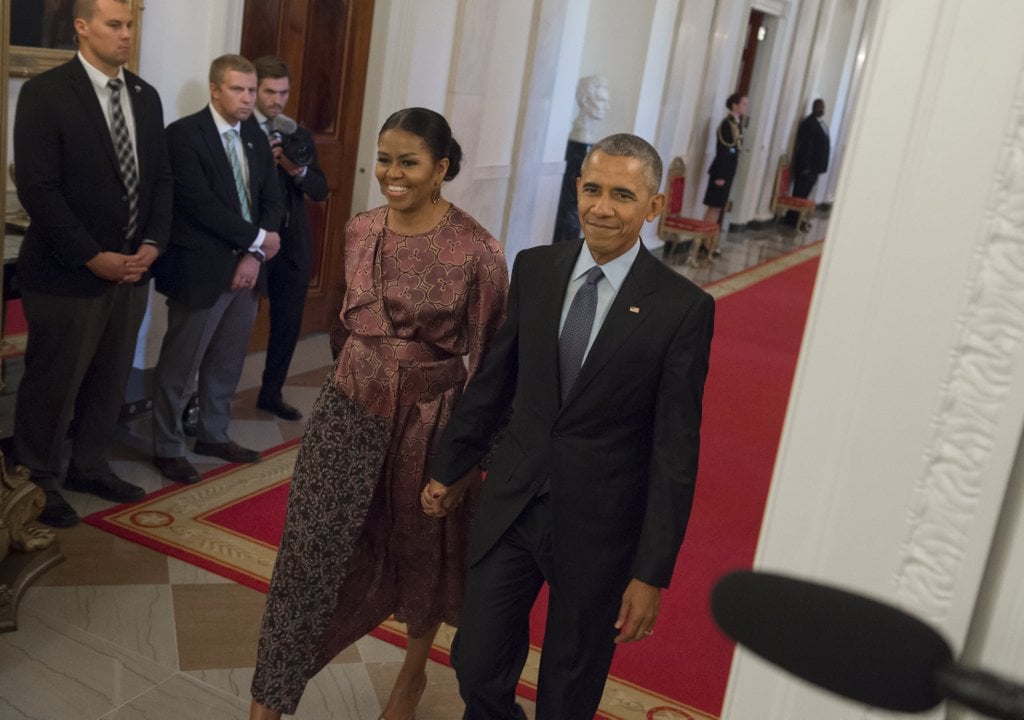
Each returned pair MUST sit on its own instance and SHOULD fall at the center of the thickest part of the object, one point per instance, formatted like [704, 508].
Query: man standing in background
[93, 175]
[299, 176]
[227, 208]
[810, 155]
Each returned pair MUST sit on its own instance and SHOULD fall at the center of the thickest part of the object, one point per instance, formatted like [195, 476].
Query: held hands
[246, 272]
[437, 500]
[120, 268]
[638, 612]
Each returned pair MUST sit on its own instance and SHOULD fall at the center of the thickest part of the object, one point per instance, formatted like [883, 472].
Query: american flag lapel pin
[249, 145]
[138, 88]
[634, 309]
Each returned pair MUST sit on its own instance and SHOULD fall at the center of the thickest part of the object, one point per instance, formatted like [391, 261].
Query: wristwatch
[258, 254]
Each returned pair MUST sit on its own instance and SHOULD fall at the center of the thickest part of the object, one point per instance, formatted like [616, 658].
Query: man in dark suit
[93, 175]
[590, 485]
[810, 155]
[227, 208]
[299, 177]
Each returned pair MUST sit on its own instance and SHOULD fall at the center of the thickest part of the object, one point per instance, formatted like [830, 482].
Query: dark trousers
[286, 290]
[79, 354]
[492, 644]
[802, 186]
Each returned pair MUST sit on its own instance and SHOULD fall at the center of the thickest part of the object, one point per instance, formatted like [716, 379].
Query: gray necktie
[572, 343]
[236, 170]
[125, 156]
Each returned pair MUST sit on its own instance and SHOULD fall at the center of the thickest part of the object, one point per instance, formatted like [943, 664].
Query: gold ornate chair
[782, 201]
[674, 227]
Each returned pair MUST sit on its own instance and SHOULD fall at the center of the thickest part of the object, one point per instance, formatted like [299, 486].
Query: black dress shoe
[177, 469]
[279, 407]
[230, 451]
[109, 487]
[57, 512]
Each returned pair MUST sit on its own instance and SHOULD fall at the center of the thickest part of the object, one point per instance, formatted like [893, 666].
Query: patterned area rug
[230, 523]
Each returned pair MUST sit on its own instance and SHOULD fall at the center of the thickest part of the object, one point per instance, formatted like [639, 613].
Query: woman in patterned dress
[425, 294]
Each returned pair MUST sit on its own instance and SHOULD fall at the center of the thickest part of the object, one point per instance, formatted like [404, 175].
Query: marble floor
[121, 632]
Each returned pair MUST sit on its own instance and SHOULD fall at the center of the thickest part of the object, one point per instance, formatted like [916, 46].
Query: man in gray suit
[93, 174]
[227, 208]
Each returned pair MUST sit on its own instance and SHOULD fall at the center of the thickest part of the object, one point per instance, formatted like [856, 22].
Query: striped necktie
[236, 170]
[572, 343]
[125, 155]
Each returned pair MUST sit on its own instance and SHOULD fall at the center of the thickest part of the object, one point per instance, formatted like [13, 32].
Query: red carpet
[231, 523]
[757, 337]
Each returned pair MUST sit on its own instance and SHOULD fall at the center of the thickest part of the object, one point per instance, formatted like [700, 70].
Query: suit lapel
[630, 308]
[546, 307]
[220, 157]
[93, 113]
[250, 159]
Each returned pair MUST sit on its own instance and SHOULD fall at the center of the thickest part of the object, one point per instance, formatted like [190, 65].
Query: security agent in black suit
[227, 208]
[591, 483]
[299, 176]
[99, 218]
[810, 155]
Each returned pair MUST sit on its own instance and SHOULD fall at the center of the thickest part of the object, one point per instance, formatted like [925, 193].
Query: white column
[908, 402]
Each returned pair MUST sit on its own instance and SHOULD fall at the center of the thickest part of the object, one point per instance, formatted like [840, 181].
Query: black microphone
[856, 647]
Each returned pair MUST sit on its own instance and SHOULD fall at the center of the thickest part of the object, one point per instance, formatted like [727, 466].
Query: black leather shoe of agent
[230, 451]
[108, 486]
[57, 512]
[177, 469]
[277, 406]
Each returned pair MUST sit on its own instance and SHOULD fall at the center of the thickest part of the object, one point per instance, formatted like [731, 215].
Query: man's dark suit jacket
[296, 237]
[208, 232]
[620, 455]
[811, 151]
[69, 180]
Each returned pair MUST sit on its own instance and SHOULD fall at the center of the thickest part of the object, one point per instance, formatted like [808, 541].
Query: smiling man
[599, 371]
[227, 209]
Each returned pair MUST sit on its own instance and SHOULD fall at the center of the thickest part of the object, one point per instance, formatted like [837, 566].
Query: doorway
[752, 80]
[326, 44]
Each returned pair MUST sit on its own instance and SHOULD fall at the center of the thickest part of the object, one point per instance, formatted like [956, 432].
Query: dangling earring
[435, 197]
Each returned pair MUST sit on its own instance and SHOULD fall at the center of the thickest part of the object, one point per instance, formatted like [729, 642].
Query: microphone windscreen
[859, 648]
[285, 124]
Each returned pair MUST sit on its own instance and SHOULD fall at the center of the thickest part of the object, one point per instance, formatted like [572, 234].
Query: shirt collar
[223, 125]
[615, 271]
[97, 77]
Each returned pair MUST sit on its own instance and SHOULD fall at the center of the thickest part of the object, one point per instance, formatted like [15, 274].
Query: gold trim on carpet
[13, 345]
[743, 280]
[178, 519]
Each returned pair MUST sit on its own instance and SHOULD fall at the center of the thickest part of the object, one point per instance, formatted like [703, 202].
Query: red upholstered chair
[782, 201]
[673, 227]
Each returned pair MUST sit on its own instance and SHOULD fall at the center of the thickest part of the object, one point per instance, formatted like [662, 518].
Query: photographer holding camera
[299, 176]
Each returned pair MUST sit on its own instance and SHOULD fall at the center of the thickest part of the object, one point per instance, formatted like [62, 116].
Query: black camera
[296, 149]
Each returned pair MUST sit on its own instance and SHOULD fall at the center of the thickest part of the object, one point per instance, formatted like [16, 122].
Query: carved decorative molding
[989, 338]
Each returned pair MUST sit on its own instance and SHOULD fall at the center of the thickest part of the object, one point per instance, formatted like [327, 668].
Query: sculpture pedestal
[17, 571]
[567, 222]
